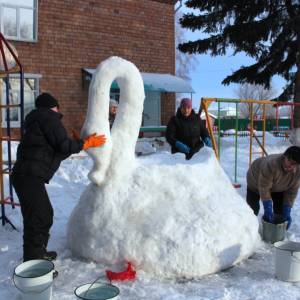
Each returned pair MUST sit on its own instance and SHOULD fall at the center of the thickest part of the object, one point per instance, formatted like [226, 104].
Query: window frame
[18, 7]
[17, 124]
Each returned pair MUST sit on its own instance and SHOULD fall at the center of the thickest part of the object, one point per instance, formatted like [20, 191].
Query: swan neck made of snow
[120, 146]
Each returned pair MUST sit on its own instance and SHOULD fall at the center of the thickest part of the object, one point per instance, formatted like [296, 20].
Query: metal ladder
[6, 133]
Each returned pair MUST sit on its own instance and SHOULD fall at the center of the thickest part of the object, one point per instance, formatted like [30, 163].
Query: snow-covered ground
[252, 279]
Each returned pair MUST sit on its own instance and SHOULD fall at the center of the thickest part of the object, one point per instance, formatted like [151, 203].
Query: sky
[209, 72]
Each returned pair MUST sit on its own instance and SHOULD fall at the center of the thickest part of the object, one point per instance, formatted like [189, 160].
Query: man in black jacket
[44, 145]
[186, 133]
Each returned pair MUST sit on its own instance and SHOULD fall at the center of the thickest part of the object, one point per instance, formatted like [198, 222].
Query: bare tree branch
[249, 91]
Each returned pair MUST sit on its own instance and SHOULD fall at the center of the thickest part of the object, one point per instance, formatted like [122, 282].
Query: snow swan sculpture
[172, 218]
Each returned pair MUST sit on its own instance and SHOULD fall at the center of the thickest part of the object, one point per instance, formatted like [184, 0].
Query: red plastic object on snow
[128, 274]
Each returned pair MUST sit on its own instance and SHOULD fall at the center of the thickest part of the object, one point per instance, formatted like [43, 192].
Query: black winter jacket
[44, 145]
[189, 130]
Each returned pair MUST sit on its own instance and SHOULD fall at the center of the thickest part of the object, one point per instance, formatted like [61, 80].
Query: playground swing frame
[205, 103]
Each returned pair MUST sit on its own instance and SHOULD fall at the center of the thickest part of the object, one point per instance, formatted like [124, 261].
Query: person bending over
[275, 180]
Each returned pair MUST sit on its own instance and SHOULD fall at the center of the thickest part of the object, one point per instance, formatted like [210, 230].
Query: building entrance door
[151, 114]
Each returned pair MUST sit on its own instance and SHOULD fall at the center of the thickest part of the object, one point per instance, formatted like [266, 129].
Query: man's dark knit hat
[293, 153]
[46, 100]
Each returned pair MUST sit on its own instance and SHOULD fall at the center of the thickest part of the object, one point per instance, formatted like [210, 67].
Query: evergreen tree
[184, 63]
[266, 30]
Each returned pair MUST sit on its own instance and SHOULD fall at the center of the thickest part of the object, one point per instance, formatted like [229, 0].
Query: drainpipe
[176, 10]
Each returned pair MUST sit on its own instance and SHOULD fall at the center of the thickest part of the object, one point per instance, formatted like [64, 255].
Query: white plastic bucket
[287, 261]
[97, 291]
[34, 279]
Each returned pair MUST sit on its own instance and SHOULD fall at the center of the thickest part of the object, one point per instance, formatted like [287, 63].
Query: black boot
[49, 255]
[55, 274]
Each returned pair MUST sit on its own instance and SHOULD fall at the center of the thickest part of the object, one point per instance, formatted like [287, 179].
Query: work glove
[94, 140]
[182, 147]
[268, 208]
[75, 135]
[207, 141]
[286, 212]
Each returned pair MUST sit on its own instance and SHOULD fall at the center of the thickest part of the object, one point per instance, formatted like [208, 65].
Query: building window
[31, 91]
[19, 19]
[152, 110]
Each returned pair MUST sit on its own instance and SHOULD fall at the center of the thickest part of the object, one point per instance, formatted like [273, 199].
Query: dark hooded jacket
[189, 130]
[44, 145]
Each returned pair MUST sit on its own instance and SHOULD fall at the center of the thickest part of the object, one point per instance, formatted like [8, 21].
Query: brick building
[59, 42]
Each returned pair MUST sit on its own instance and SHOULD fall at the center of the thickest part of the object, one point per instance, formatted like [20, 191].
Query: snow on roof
[159, 82]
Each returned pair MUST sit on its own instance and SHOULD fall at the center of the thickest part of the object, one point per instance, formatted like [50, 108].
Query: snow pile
[144, 148]
[170, 217]
[150, 145]
[169, 220]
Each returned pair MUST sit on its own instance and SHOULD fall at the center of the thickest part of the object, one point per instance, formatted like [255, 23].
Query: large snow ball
[181, 219]
[171, 217]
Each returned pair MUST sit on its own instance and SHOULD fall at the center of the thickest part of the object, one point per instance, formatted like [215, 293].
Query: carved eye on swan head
[120, 146]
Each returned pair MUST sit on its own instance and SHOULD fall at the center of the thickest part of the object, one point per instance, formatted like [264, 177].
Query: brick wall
[167, 107]
[77, 34]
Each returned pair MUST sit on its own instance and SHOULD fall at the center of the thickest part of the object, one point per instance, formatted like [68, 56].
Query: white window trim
[16, 124]
[35, 29]
[26, 75]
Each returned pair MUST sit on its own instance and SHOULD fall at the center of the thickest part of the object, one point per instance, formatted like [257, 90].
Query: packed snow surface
[252, 279]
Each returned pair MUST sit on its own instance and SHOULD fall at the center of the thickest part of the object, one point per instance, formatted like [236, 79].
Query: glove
[182, 147]
[207, 142]
[286, 212]
[268, 207]
[75, 135]
[94, 140]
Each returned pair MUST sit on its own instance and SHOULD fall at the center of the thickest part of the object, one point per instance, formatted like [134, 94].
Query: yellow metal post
[204, 104]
